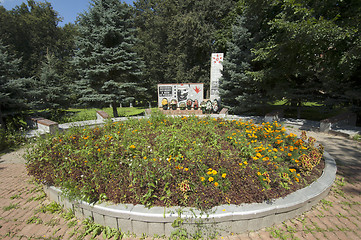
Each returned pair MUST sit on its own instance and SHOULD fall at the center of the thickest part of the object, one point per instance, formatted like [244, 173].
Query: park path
[23, 212]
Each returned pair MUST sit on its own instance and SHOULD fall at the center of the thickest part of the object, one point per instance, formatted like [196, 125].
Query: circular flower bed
[188, 161]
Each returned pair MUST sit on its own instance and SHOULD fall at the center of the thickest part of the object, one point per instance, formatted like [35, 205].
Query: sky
[67, 9]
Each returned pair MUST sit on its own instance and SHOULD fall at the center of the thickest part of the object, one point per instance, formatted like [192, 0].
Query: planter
[224, 220]
[174, 107]
[165, 107]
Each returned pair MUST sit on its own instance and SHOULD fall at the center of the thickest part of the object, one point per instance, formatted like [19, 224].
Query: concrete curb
[224, 219]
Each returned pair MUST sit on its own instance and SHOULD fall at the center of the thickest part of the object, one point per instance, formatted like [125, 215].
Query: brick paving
[338, 216]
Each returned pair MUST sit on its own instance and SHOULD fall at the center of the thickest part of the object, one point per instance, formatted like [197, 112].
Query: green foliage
[50, 90]
[109, 69]
[10, 207]
[301, 51]
[31, 29]
[239, 90]
[177, 38]
[175, 161]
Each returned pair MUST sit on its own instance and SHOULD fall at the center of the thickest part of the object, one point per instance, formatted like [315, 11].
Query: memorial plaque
[181, 92]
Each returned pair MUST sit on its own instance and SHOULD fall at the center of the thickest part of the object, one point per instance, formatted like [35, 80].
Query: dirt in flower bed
[182, 161]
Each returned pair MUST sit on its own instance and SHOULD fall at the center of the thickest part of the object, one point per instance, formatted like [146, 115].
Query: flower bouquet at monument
[173, 104]
[209, 106]
[215, 106]
[182, 106]
[203, 107]
[195, 105]
[165, 103]
[189, 104]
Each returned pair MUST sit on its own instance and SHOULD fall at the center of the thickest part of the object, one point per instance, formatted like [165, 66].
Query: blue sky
[67, 9]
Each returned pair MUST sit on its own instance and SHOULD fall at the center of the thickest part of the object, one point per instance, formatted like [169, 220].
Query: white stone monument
[216, 74]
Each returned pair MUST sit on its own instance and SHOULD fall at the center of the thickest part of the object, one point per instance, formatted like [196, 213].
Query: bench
[101, 115]
[223, 112]
[273, 116]
[48, 126]
[347, 118]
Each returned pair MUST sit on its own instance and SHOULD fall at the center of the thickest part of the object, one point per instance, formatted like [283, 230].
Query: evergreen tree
[108, 67]
[12, 88]
[239, 91]
[50, 91]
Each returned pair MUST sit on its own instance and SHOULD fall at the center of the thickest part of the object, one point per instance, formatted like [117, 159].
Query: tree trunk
[2, 123]
[115, 110]
[299, 108]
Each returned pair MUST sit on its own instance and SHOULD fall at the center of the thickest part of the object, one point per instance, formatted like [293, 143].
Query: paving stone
[330, 236]
[341, 235]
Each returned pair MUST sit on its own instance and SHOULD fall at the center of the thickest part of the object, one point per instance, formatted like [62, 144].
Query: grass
[310, 110]
[10, 207]
[84, 114]
[165, 161]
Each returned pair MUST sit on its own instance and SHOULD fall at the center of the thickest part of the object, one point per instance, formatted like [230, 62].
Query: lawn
[83, 114]
[181, 161]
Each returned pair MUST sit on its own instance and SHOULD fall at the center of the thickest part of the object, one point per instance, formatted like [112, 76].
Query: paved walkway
[24, 215]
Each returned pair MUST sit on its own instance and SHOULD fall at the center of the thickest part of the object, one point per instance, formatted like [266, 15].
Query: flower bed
[189, 161]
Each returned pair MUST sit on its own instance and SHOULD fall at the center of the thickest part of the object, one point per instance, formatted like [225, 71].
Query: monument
[216, 74]
[180, 93]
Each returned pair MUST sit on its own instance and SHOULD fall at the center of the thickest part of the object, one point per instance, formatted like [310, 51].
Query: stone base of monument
[182, 112]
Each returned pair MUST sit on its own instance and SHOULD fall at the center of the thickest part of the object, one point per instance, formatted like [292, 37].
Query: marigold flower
[202, 179]
[216, 184]
[214, 172]
[224, 175]
[132, 146]
[211, 179]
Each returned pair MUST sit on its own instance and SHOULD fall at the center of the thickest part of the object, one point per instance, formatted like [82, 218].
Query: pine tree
[49, 91]
[238, 89]
[108, 67]
[12, 88]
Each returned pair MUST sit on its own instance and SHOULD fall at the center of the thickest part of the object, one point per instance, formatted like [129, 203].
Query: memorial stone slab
[216, 74]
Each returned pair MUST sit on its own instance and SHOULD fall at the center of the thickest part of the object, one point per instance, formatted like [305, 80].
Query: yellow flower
[224, 175]
[144, 158]
[259, 174]
[211, 179]
[186, 169]
[216, 184]
[214, 172]
[132, 146]
[245, 162]
[292, 170]
[202, 179]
